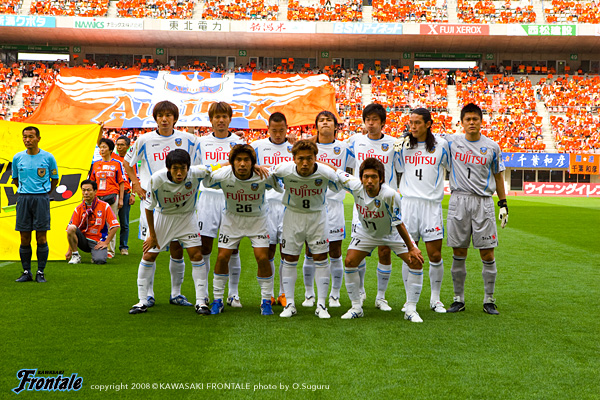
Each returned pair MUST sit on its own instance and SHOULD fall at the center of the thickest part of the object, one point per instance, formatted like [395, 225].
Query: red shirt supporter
[94, 220]
[108, 175]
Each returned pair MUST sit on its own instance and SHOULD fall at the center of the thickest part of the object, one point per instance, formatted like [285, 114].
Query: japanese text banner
[73, 148]
[536, 160]
[125, 98]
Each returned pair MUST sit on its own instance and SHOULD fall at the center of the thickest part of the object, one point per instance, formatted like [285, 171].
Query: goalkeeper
[476, 173]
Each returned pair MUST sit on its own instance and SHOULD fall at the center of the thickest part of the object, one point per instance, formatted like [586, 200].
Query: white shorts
[471, 216]
[275, 212]
[235, 227]
[180, 227]
[336, 221]
[304, 227]
[423, 219]
[364, 242]
[209, 211]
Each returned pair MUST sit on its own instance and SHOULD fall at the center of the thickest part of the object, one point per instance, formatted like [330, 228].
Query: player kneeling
[380, 224]
[245, 216]
[170, 209]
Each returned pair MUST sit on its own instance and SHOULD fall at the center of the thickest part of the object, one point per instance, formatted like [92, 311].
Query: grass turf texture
[543, 345]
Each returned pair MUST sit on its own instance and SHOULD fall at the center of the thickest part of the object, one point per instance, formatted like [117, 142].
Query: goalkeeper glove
[403, 141]
[503, 215]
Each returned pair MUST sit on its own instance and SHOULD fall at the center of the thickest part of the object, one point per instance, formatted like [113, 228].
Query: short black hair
[327, 114]
[277, 117]
[242, 148]
[178, 156]
[376, 109]
[108, 142]
[125, 138]
[89, 182]
[372, 163]
[471, 108]
[32, 128]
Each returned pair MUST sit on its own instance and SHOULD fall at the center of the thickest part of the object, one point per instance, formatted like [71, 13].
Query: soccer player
[333, 152]
[108, 174]
[245, 216]
[151, 149]
[305, 220]
[476, 173]
[379, 223]
[170, 208]
[92, 226]
[376, 144]
[122, 145]
[213, 149]
[35, 174]
[423, 163]
[272, 151]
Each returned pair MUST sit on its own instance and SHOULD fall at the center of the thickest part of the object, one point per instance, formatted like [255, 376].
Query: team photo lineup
[284, 195]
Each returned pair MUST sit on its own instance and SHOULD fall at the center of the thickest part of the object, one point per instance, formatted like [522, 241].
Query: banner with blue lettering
[536, 160]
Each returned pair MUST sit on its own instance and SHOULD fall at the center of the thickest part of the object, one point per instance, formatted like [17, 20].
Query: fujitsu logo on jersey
[419, 159]
[241, 196]
[217, 155]
[371, 154]
[276, 158]
[324, 157]
[304, 191]
[469, 158]
[368, 214]
[178, 197]
[161, 156]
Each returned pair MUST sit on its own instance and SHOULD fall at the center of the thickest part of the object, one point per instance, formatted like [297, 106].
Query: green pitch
[544, 344]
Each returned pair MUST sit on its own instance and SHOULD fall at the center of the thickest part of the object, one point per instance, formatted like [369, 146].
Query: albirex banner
[125, 98]
[73, 147]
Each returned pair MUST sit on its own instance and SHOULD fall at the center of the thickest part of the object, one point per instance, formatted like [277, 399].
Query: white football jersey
[169, 197]
[337, 154]
[473, 164]
[361, 148]
[377, 216]
[213, 150]
[423, 172]
[243, 197]
[152, 149]
[268, 153]
[305, 194]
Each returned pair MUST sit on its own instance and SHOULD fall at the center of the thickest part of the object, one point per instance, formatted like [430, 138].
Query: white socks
[383, 278]
[177, 270]
[235, 269]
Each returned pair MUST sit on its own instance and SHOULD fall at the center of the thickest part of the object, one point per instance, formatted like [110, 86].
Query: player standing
[272, 151]
[333, 152]
[423, 163]
[245, 216]
[376, 144]
[476, 173]
[170, 206]
[213, 149]
[34, 172]
[379, 223]
[305, 220]
[151, 149]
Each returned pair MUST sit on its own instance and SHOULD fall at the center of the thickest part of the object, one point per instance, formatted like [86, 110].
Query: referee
[34, 172]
